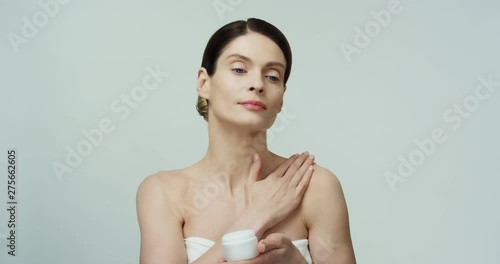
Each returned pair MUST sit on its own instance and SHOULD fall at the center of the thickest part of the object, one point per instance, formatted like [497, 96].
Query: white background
[358, 114]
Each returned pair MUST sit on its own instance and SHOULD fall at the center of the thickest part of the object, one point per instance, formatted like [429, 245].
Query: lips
[254, 103]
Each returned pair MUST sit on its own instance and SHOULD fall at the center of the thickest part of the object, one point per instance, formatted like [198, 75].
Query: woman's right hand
[272, 199]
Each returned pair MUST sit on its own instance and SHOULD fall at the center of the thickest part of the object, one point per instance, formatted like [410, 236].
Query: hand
[275, 197]
[276, 249]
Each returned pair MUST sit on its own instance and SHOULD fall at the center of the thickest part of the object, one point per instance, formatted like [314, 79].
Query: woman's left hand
[276, 248]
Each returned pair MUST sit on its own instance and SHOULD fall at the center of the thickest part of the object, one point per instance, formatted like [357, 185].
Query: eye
[273, 78]
[238, 70]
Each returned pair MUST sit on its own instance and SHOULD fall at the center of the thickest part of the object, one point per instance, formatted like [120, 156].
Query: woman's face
[251, 67]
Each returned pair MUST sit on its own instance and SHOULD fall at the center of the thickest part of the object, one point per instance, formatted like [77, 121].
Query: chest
[211, 221]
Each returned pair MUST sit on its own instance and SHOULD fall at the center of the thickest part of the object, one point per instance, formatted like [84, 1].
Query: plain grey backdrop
[398, 98]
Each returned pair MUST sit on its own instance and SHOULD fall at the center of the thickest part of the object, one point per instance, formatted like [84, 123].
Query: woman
[296, 207]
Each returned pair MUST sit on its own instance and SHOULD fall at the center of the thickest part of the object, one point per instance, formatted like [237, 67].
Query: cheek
[278, 102]
[223, 93]
[226, 81]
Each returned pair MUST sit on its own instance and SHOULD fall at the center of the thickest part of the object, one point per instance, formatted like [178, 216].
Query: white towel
[197, 246]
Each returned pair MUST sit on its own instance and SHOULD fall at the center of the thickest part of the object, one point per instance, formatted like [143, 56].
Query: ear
[203, 83]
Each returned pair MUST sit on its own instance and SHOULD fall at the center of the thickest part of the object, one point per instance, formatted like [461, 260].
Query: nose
[260, 90]
[257, 84]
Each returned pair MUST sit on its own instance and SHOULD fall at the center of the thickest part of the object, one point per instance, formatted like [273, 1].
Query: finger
[298, 176]
[261, 247]
[252, 261]
[273, 241]
[294, 167]
[255, 168]
[302, 186]
[280, 171]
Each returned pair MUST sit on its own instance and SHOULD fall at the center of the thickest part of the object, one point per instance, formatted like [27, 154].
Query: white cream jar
[240, 245]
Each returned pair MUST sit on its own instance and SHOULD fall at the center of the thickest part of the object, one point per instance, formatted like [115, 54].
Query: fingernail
[306, 153]
[255, 157]
[311, 156]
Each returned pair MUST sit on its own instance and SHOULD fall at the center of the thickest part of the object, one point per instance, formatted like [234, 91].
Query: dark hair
[224, 35]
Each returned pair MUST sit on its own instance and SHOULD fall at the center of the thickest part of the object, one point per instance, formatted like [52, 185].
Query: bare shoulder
[327, 219]
[323, 180]
[162, 182]
[324, 190]
[164, 187]
[160, 223]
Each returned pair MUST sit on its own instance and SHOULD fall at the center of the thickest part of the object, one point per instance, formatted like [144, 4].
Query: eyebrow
[245, 58]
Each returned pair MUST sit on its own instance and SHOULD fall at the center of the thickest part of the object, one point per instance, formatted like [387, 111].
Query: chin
[253, 123]
[249, 120]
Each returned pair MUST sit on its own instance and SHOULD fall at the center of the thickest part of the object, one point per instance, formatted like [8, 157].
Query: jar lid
[238, 236]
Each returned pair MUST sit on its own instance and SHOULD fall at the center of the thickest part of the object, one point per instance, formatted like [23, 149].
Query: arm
[161, 231]
[162, 239]
[327, 219]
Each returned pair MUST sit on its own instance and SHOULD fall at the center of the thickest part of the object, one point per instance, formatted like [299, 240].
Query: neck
[230, 153]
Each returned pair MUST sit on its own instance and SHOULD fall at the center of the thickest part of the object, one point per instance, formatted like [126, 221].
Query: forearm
[250, 220]
[213, 255]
